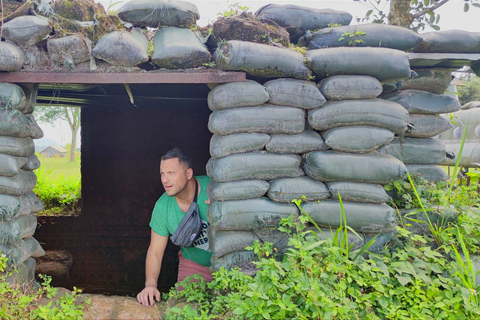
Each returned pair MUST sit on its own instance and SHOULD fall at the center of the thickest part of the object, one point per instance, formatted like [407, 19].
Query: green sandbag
[27, 30]
[10, 165]
[374, 35]
[431, 80]
[13, 123]
[373, 112]
[11, 207]
[254, 165]
[387, 65]
[371, 167]
[261, 60]
[269, 119]
[357, 139]
[20, 251]
[413, 150]
[25, 273]
[449, 41]
[234, 259]
[294, 93]
[471, 105]
[11, 57]
[221, 146]
[422, 102]
[122, 49]
[19, 228]
[155, 13]
[33, 163]
[178, 48]
[69, 50]
[18, 184]
[36, 205]
[363, 217]
[248, 215]
[296, 143]
[237, 94]
[237, 190]
[429, 172]
[358, 192]
[305, 188]
[35, 131]
[350, 87]
[381, 241]
[427, 126]
[298, 19]
[12, 97]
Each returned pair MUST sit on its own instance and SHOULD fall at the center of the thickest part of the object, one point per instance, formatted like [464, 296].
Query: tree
[70, 114]
[411, 14]
[471, 90]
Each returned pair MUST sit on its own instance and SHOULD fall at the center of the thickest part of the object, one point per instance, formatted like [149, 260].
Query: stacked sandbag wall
[18, 203]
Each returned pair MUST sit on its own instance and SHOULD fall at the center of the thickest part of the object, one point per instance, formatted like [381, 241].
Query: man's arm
[152, 269]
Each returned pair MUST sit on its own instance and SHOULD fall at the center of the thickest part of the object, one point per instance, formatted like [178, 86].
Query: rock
[68, 51]
[11, 57]
[27, 30]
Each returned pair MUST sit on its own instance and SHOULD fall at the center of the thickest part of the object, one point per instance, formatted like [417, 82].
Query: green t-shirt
[167, 215]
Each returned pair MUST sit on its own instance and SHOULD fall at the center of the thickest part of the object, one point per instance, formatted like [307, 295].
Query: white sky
[451, 17]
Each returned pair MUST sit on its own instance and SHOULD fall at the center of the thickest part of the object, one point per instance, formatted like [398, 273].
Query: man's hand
[207, 201]
[147, 295]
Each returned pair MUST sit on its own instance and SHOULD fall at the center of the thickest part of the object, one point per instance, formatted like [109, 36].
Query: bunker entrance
[125, 130]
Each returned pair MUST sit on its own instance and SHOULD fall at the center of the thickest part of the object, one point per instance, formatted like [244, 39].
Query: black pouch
[190, 227]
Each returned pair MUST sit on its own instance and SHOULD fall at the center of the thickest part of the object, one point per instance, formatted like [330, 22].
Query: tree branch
[429, 9]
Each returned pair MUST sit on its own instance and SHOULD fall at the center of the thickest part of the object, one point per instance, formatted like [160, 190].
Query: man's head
[175, 171]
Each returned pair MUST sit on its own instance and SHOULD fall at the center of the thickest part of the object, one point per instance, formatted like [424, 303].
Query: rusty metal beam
[151, 77]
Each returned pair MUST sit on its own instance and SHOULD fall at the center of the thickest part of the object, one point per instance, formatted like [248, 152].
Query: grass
[61, 167]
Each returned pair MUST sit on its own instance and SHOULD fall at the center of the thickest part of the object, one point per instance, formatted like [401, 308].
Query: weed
[353, 38]
[235, 10]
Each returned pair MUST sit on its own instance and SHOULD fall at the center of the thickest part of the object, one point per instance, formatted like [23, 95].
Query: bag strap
[196, 190]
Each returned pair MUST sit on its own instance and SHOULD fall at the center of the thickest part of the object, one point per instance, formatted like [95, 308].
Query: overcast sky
[452, 17]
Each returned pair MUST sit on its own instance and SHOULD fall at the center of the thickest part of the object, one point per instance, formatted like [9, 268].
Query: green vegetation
[353, 38]
[59, 186]
[24, 302]
[471, 91]
[235, 10]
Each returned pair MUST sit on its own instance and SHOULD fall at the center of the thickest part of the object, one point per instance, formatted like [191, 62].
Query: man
[177, 178]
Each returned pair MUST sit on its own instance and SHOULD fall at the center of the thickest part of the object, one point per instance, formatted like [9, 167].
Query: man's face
[175, 176]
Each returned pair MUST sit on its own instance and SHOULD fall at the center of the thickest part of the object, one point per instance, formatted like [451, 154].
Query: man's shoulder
[203, 179]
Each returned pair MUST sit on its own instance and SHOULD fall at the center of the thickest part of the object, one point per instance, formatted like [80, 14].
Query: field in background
[60, 167]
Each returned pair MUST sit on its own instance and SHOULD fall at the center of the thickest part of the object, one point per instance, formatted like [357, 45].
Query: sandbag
[381, 241]
[296, 143]
[10, 165]
[255, 165]
[387, 65]
[269, 119]
[305, 188]
[294, 93]
[471, 105]
[260, 60]
[431, 80]
[234, 259]
[373, 112]
[429, 172]
[358, 192]
[155, 13]
[14, 123]
[122, 49]
[19, 228]
[422, 102]
[371, 167]
[25, 273]
[236, 190]
[35, 131]
[248, 215]
[20, 147]
[449, 41]
[357, 139]
[12, 97]
[178, 48]
[27, 30]
[11, 57]
[18, 184]
[33, 163]
[350, 87]
[363, 217]
[20, 251]
[36, 205]
[237, 94]
[427, 126]
[11, 207]
[411, 150]
[221, 146]
[69, 50]
[31, 92]
[440, 216]
[298, 19]
[364, 35]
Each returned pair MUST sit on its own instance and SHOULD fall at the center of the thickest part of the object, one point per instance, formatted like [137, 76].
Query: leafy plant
[353, 38]
[235, 10]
